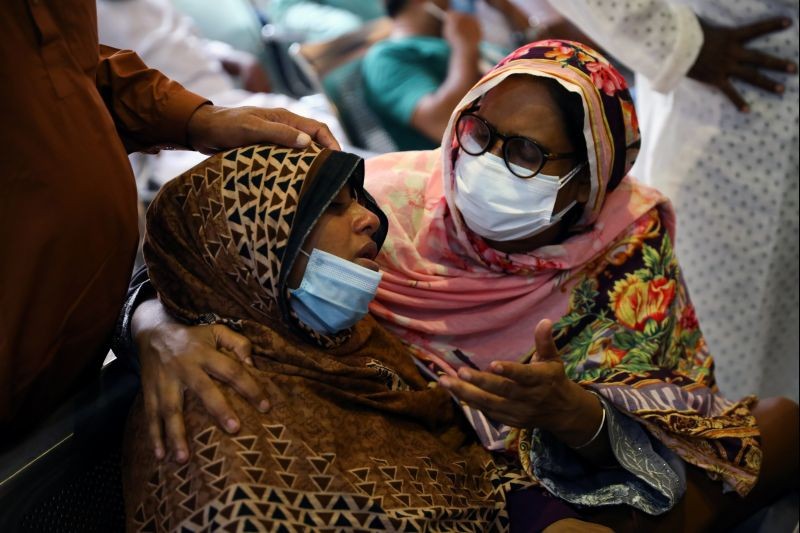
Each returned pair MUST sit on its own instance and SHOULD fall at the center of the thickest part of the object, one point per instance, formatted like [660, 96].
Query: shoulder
[404, 48]
[400, 181]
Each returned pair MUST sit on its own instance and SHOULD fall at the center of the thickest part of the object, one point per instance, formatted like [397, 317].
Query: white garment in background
[733, 177]
[167, 40]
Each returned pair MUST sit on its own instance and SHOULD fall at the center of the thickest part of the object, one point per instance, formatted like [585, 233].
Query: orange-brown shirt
[70, 110]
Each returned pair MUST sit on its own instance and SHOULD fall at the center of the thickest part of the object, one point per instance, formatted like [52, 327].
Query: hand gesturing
[724, 57]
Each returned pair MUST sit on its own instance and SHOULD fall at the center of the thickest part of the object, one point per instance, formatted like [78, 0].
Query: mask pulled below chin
[334, 293]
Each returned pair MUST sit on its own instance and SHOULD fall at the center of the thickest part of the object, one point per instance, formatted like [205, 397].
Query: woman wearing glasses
[525, 227]
[525, 231]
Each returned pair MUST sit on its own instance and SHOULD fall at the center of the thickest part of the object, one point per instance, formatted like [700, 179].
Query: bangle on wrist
[599, 429]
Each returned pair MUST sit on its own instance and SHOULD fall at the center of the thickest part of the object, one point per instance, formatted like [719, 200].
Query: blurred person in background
[320, 20]
[72, 111]
[169, 41]
[414, 79]
[717, 91]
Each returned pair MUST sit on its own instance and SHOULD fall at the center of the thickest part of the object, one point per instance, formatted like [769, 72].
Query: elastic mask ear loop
[563, 181]
[309, 257]
[558, 216]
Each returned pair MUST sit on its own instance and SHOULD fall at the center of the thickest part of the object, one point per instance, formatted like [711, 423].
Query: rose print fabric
[624, 322]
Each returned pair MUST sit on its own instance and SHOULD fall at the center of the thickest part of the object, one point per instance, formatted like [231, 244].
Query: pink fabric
[443, 288]
[440, 293]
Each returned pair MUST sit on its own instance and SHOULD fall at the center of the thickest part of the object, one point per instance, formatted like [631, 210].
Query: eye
[341, 201]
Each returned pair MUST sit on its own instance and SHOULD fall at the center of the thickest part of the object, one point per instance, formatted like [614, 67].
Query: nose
[496, 147]
[365, 221]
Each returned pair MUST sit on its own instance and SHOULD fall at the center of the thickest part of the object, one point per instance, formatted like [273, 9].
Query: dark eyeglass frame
[494, 135]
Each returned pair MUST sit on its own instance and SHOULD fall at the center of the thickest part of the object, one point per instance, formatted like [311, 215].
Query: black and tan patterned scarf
[355, 438]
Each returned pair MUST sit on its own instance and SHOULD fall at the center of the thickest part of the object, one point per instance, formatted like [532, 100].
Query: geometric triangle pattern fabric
[355, 438]
[244, 196]
[268, 480]
[234, 213]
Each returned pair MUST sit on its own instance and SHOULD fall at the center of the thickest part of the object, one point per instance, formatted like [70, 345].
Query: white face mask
[499, 206]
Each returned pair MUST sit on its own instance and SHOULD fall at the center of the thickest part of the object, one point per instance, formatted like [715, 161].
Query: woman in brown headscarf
[278, 244]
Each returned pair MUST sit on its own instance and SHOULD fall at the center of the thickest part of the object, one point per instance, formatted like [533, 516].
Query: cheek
[298, 269]
[567, 195]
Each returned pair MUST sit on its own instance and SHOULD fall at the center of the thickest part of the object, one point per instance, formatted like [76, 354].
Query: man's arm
[148, 108]
[151, 111]
[666, 42]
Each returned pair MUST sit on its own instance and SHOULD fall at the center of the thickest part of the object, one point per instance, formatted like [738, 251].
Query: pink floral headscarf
[445, 290]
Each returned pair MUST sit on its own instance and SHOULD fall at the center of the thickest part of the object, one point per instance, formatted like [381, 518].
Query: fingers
[473, 395]
[530, 375]
[761, 60]
[213, 400]
[153, 416]
[497, 385]
[757, 29]
[733, 95]
[258, 129]
[229, 340]
[234, 374]
[545, 345]
[754, 77]
[171, 411]
[318, 131]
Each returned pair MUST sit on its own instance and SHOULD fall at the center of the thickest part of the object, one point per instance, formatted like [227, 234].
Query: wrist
[583, 421]
[146, 318]
[195, 125]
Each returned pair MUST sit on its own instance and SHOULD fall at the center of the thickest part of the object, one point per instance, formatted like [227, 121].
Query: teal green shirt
[397, 74]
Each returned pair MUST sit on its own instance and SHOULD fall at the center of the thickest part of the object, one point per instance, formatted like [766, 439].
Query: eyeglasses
[524, 157]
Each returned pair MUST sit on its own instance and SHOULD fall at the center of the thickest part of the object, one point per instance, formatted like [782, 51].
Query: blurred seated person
[235, 22]
[280, 244]
[320, 20]
[414, 79]
[169, 41]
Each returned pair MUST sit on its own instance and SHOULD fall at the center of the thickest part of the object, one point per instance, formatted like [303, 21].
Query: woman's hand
[723, 56]
[537, 395]
[175, 357]
[213, 128]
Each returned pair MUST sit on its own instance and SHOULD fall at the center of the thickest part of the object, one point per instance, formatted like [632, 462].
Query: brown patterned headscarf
[355, 436]
[234, 225]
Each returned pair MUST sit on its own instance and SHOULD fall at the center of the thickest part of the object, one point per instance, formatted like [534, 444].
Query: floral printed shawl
[623, 321]
[355, 438]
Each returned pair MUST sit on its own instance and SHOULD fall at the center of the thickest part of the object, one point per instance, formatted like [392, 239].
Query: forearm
[147, 316]
[148, 108]
[585, 429]
[434, 110]
[644, 474]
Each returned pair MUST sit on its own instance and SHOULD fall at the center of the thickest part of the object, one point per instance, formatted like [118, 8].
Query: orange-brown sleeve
[148, 108]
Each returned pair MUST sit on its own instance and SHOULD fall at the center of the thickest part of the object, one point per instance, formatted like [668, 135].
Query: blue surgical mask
[334, 294]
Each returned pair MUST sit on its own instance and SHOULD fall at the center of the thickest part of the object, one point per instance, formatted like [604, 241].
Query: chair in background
[286, 76]
[66, 475]
[334, 68]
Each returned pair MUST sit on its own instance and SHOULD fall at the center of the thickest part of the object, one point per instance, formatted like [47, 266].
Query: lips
[366, 256]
